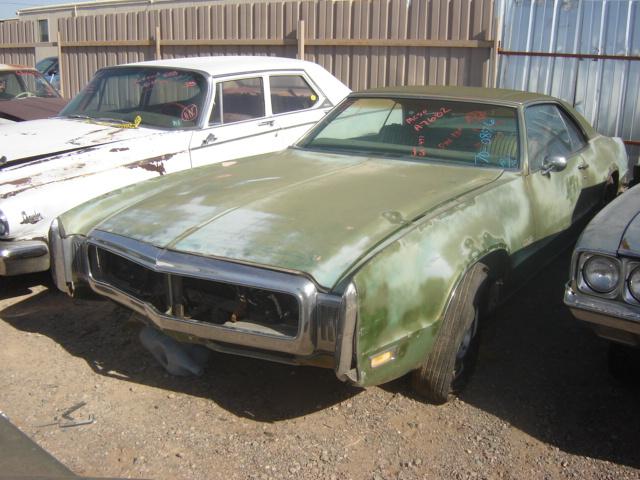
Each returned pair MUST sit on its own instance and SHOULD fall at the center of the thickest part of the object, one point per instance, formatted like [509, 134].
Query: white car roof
[227, 65]
[222, 65]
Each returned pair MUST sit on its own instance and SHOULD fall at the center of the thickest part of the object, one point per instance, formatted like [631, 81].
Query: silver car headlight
[634, 283]
[601, 274]
[4, 225]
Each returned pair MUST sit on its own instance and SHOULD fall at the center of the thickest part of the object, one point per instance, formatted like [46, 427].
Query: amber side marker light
[382, 358]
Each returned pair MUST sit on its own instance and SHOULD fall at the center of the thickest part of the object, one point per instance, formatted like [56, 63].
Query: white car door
[296, 103]
[240, 123]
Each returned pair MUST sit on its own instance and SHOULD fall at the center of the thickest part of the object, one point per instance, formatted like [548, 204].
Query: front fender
[404, 290]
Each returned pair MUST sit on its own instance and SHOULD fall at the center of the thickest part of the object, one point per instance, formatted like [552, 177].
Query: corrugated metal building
[584, 51]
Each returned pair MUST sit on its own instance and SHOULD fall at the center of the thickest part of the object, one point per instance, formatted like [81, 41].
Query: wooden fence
[17, 42]
[365, 43]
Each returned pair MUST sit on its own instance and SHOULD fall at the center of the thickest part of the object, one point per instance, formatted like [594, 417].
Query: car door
[240, 124]
[557, 195]
[296, 104]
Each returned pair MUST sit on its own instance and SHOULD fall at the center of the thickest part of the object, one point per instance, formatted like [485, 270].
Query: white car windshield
[422, 129]
[154, 97]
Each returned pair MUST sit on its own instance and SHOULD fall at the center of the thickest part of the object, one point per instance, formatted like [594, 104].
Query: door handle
[266, 123]
[583, 166]
[210, 139]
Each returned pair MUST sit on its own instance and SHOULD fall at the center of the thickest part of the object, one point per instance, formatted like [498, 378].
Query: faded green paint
[404, 232]
[296, 210]
[404, 289]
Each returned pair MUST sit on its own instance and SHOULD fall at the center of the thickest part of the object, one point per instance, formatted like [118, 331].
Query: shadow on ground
[538, 370]
[101, 334]
[545, 374]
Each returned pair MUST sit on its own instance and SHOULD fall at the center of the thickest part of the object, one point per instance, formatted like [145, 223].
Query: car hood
[31, 108]
[616, 228]
[26, 141]
[630, 243]
[296, 210]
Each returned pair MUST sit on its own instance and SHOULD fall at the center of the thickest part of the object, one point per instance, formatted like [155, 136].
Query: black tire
[443, 370]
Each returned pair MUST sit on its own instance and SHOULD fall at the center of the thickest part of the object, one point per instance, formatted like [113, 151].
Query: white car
[136, 121]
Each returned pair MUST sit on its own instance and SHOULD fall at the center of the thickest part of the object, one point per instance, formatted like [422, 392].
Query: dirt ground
[540, 405]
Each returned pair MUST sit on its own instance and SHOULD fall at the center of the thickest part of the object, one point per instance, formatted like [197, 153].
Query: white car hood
[47, 137]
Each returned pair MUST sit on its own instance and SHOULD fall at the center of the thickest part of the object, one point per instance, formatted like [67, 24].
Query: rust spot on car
[153, 164]
[20, 181]
[34, 218]
[625, 244]
[122, 149]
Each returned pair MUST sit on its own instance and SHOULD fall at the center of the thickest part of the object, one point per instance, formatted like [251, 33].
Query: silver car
[604, 290]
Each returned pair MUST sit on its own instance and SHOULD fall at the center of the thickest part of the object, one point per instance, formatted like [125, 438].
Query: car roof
[227, 65]
[498, 95]
[5, 67]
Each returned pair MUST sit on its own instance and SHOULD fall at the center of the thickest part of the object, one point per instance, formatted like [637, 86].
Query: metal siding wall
[605, 91]
[18, 33]
[359, 67]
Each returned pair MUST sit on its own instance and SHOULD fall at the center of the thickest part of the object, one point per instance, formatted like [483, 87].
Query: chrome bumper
[23, 256]
[327, 323]
[610, 319]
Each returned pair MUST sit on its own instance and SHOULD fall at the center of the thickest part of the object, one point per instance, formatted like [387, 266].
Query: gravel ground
[540, 405]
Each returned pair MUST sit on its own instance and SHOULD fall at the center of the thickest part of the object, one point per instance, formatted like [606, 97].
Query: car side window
[9, 86]
[290, 93]
[238, 100]
[547, 134]
[577, 138]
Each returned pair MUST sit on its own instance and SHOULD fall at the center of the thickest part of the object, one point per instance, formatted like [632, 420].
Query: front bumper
[327, 322]
[23, 256]
[610, 319]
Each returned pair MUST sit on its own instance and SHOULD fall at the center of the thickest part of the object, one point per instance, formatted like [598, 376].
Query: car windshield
[425, 129]
[18, 84]
[45, 64]
[154, 97]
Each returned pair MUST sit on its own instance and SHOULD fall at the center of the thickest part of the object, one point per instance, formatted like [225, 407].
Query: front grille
[203, 300]
[132, 278]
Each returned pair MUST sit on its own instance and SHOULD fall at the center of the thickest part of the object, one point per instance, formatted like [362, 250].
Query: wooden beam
[301, 40]
[282, 42]
[399, 43]
[114, 43]
[60, 72]
[157, 40]
[17, 45]
[230, 42]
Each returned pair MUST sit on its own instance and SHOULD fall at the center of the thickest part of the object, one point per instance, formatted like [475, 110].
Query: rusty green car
[375, 246]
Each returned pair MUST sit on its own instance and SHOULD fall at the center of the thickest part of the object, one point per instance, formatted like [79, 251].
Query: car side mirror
[554, 163]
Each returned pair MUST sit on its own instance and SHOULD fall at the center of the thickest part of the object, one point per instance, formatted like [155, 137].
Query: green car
[374, 246]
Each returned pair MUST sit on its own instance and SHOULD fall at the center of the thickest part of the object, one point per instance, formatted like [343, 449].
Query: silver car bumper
[610, 319]
[327, 322]
[23, 256]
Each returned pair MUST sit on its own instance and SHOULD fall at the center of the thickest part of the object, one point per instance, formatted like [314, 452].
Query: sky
[8, 7]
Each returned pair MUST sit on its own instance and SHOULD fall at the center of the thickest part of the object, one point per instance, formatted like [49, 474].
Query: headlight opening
[601, 274]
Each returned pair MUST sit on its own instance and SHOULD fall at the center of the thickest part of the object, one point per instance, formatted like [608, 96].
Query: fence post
[497, 36]
[60, 71]
[158, 52]
[301, 39]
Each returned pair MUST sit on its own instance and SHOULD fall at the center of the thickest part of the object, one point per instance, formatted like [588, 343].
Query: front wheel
[454, 352]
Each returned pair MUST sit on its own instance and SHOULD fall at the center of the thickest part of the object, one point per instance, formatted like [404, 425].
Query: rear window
[422, 129]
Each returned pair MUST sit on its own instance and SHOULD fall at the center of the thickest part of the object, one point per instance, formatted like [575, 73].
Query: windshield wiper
[75, 115]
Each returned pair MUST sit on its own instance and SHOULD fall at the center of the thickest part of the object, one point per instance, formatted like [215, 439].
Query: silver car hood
[616, 228]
